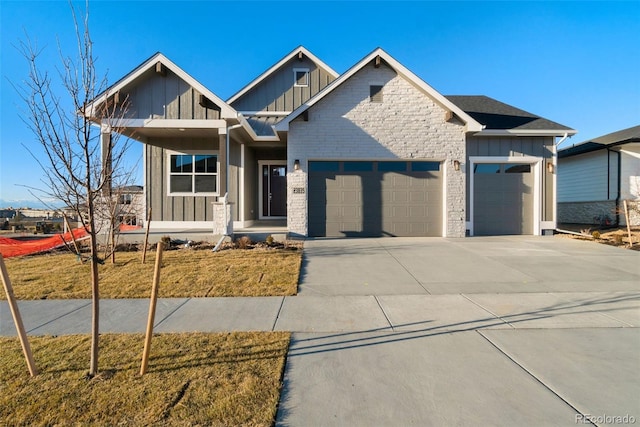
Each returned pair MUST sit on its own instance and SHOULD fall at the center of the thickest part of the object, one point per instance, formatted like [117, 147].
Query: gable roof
[624, 136]
[299, 50]
[226, 111]
[472, 125]
[505, 118]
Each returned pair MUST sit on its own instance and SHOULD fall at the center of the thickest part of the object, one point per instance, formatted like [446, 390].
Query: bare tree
[80, 159]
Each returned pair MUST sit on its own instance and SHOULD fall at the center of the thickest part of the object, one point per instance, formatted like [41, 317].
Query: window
[375, 93]
[358, 166]
[425, 166]
[392, 166]
[323, 166]
[193, 173]
[125, 199]
[517, 168]
[300, 77]
[486, 168]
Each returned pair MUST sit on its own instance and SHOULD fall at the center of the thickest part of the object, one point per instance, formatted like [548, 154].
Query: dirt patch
[608, 236]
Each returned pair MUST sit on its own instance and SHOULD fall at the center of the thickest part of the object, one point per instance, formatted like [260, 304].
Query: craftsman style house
[374, 151]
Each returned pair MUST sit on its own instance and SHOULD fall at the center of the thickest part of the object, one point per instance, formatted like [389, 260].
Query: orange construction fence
[15, 247]
[126, 227]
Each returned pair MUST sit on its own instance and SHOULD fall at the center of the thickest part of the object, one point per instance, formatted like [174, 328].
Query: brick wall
[407, 125]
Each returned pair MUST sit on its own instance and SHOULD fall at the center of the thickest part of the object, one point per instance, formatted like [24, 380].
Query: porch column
[106, 149]
[222, 140]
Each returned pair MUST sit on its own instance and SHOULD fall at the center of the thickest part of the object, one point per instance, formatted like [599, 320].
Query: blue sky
[576, 63]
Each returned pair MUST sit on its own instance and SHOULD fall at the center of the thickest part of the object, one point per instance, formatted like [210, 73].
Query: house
[374, 151]
[125, 206]
[595, 176]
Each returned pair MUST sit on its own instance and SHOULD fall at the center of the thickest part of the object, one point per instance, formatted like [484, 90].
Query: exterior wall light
[456, 165]
[296, 164]
[550, 167]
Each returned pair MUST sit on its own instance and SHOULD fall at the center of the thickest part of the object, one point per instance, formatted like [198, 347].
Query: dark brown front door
[274, 190]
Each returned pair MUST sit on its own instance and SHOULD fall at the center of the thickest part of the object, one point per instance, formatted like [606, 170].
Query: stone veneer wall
[588, 212]
[346, 125]
[220, 227]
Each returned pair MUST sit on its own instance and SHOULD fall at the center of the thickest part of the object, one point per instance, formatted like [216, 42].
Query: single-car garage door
[369, 198]
[502, 199]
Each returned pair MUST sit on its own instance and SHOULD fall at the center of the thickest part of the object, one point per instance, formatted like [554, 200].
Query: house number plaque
[298, 190]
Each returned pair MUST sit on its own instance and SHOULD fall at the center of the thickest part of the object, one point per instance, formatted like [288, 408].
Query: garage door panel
[503, 202]
[377, 203]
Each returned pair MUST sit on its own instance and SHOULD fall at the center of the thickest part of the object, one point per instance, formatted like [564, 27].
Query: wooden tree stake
[17, 319]
[626, 218]
[152, 309]
[73, 238]
[146, 237]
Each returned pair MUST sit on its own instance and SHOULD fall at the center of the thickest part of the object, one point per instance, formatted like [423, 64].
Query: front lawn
[185, 273]
[192, 379]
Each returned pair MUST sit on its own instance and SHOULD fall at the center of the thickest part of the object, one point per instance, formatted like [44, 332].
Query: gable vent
[375, 93]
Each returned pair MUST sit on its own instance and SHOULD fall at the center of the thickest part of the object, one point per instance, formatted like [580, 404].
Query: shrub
[269, 240]
[617, 239]
[596, 235]
[243, 242]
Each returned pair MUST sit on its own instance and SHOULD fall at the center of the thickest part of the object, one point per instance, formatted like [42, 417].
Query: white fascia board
[254, 136]
[525, 132]
[265, 113]
[226, 111]
[167, 123]
[277, 66]
[472, 125]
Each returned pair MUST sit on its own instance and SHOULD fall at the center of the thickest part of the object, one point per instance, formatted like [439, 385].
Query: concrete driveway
[499, 331]
[513, 264]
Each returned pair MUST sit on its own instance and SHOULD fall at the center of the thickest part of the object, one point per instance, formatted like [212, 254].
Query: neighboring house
[594, 177]
[374, 151]
[127, 207]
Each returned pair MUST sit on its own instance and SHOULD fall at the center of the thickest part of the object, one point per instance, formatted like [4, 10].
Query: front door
[274, 190]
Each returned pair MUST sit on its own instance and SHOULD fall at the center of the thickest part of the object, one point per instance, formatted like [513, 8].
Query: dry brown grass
[612, 236]
[192, 379]
[185, 273]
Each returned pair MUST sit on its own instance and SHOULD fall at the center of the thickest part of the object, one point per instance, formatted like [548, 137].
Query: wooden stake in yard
[17, 319]
[152, 309]
[146, 238]
[626, 218]
[73, 238]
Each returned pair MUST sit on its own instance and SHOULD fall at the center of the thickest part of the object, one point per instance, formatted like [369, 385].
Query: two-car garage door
[375, 198]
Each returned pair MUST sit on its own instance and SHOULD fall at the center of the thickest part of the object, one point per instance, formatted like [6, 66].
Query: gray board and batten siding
[279, 93]
[165, 96]
[541, 147]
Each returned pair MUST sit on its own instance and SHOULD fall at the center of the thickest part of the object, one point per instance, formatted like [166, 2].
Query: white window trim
[169, 153]
[295, 79]
[535, 162]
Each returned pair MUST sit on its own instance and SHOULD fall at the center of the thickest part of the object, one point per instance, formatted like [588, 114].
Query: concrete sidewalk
[334, 314]
[393, 332]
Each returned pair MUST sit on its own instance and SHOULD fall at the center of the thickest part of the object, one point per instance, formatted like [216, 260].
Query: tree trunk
[95, 288]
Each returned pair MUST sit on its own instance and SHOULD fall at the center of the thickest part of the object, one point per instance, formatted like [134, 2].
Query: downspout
[554, 161]
[619, 188]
